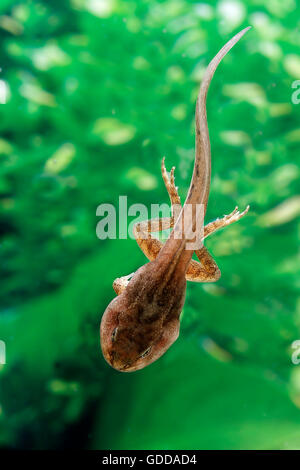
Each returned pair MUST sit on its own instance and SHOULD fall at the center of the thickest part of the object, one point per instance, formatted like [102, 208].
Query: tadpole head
[128, 345]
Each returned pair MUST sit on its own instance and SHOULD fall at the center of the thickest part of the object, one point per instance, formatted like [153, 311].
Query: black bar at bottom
[131, 458]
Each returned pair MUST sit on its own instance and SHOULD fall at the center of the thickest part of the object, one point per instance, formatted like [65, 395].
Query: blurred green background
[98, 92]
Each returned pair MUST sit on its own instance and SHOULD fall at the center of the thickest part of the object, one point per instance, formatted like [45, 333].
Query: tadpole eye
[145, 353]
[114, 334]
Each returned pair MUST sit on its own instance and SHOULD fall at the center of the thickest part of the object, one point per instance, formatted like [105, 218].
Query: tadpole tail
[199, 188]
[200, 183]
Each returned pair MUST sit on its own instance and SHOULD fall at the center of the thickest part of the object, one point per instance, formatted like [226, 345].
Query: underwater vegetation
[97, 92]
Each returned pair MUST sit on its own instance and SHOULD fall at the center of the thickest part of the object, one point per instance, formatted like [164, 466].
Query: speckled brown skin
[145, 315]
[141, 323]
